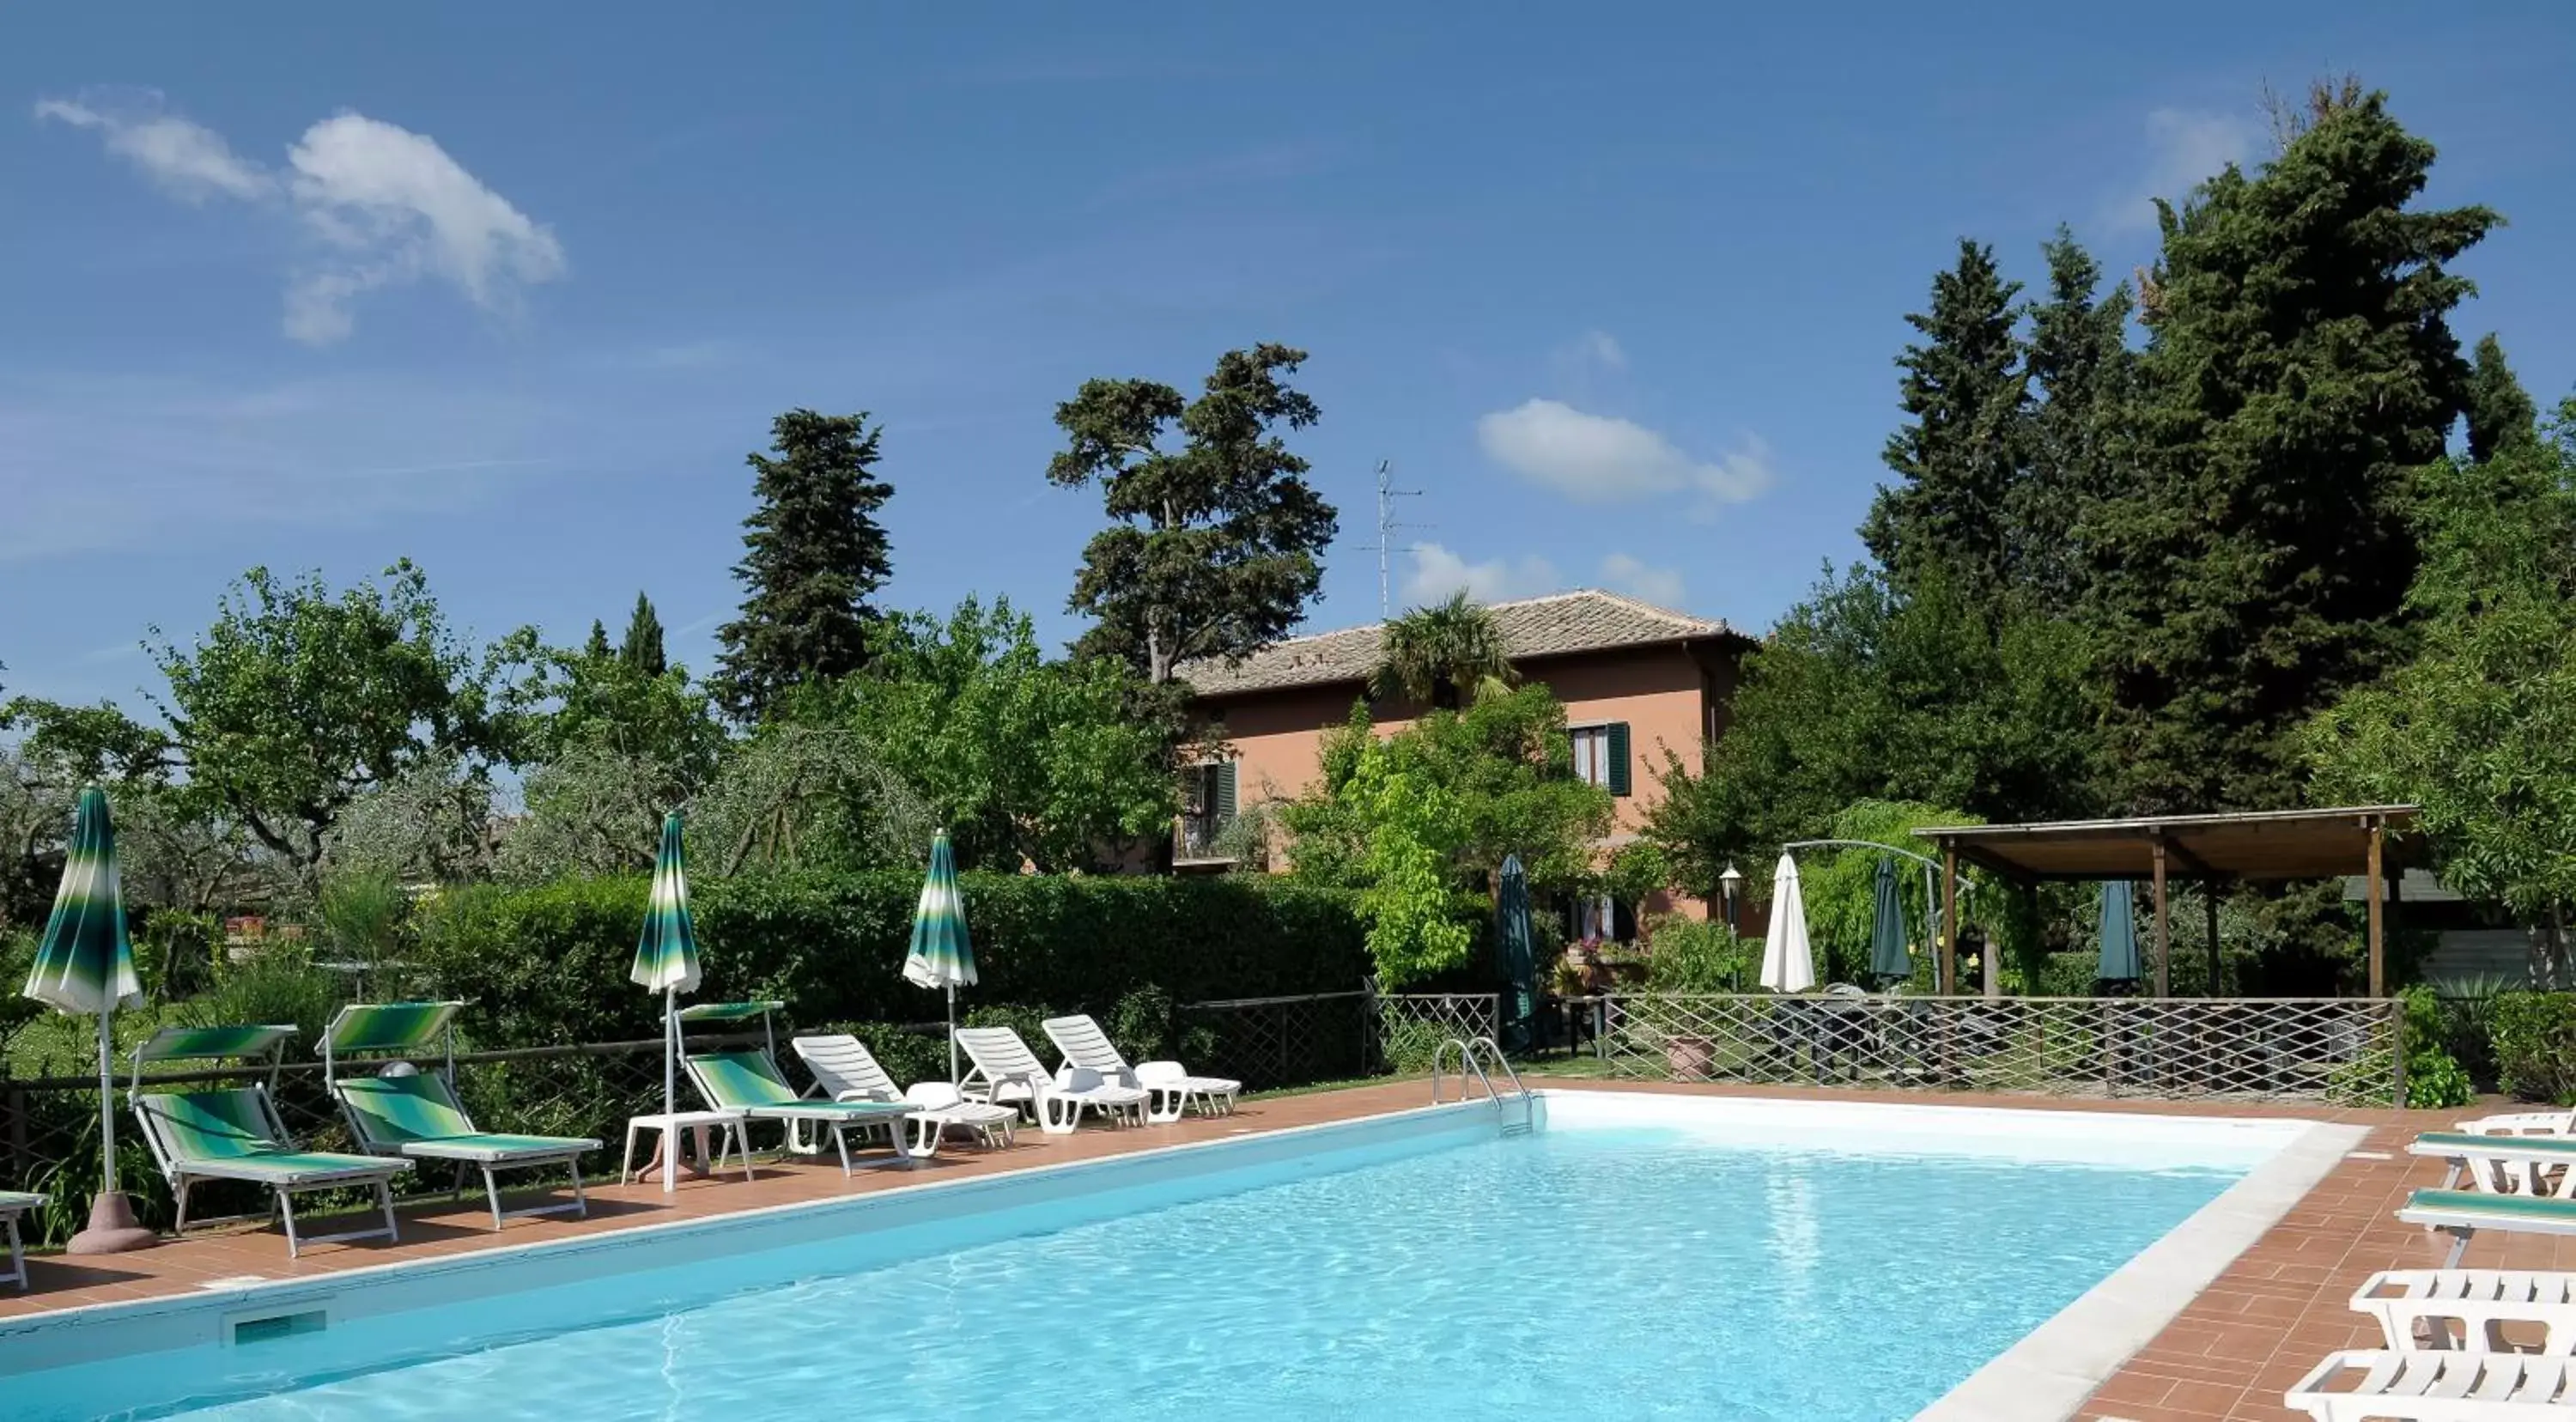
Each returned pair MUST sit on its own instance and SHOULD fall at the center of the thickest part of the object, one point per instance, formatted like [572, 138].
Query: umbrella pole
[952, 1034]
[670, 1091]
[112, 1229]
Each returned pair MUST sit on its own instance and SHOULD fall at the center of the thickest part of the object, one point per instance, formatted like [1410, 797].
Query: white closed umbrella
[1786, 964]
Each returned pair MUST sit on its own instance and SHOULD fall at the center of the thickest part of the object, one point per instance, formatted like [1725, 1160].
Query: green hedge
[548, 963]
[2535, 1045]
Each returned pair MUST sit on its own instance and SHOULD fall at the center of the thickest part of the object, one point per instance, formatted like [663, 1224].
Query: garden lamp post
[1728, 883]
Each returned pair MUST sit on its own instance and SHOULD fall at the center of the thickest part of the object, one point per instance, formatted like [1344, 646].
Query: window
[1601, 755]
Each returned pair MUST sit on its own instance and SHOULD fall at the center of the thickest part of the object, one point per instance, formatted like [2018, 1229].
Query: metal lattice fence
[2343, 1050]
[1411, 1026]
[1267, 1042]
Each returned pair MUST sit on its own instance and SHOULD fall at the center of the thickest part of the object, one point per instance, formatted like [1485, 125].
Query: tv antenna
[1387, 494]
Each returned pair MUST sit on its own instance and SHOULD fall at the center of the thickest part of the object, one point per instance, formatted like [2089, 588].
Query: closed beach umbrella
[1519, 959]
[1888, 960]
[941, 957]
[666, 960]
[1786, 964]
[86, 966]
[2119, 934]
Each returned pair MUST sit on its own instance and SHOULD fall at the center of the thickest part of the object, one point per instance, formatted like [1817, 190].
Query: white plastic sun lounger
[2462, 1213]
[845, 1070]
[1170, 1089]
[13, 1205]
[1007, 1073]
[2503, 1164]
[2416, 1308]
[2522, 1123]
[2436, 1386]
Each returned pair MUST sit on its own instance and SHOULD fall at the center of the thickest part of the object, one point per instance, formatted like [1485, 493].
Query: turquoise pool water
[1582, 1273]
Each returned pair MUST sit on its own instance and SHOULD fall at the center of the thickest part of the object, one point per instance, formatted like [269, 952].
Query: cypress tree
[2079, 363]
[2299, 367]
[1959, 455]
[642, 651]
[596, 649]
[815, 554]
[2501, 415]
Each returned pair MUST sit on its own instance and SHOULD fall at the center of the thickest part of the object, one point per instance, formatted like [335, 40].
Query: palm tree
[1431, 653]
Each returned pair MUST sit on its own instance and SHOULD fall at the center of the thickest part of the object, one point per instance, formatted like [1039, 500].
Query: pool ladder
[1471, 1054]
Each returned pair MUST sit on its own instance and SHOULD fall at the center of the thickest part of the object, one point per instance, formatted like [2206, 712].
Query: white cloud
[2184, 146]
[1602, 349]
[1602, 459]
[383, 205]
[1631, 575]
[190, 160]
[1437, 573]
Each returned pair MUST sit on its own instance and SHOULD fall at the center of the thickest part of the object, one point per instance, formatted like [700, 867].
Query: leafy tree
[810, 797]
[2479, 729]
[642, 649]
[1960, 458]
[2299, 367]
[815, 555]
[1215, 543]
[1022, 758]
[1864, 692]
[1421, 820]
[296, 702]
[621, 747]
[2080, 364]
[1433, 654]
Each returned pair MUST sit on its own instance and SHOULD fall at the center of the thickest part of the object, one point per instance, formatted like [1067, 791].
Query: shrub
[2434, 1077]
[2535, 1045]
[549, 963]
[1689, 955]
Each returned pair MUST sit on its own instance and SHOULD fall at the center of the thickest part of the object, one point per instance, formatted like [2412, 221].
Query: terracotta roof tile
[1586, 620]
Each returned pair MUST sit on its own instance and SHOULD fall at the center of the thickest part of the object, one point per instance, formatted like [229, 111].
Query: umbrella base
[112, 1229]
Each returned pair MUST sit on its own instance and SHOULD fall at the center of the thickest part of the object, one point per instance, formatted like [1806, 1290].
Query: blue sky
[511, 290]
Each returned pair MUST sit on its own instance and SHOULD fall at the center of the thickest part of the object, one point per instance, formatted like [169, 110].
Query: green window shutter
[1619, 758]
[1224, 796]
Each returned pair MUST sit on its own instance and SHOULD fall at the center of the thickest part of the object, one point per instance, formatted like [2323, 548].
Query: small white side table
[731, 1141]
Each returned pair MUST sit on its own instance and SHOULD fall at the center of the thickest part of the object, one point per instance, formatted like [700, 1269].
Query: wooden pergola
[2253, 845]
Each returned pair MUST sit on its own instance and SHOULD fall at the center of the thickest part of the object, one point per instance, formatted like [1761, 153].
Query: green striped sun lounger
[2462, 1213]
[14, 1204]
[416, 1114]
[234, 1133]
[2528, 1165]
[747, 1079]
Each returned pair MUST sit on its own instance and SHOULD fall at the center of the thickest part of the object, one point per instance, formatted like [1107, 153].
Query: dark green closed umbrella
[86, 966]
[2119, 934]
[1512, 946]
[1888, 960]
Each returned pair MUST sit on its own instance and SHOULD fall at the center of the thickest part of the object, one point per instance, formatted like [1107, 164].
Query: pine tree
[1960, 455]
[815, 555]
[1214, 548]
[2079, 362]
[2501, 415]
[596, 649]
[2299, 367]
[642, 651]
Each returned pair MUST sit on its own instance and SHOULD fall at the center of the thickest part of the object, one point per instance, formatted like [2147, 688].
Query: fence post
[18, 1132]
[1368, 1025]
[2397, 1034]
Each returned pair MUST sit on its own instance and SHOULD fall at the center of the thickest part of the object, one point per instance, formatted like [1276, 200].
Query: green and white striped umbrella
[86, 964]
[666, 960]
[941, 957]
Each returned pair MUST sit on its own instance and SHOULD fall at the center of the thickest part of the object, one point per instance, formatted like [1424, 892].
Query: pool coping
[2049, 1374]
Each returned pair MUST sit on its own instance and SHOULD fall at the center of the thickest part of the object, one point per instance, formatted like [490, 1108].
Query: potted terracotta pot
[1689, 1056]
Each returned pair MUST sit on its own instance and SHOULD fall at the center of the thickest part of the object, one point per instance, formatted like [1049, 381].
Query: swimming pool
[1632, 1259]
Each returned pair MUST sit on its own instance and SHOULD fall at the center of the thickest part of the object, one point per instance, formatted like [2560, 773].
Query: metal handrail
[1468, 1062]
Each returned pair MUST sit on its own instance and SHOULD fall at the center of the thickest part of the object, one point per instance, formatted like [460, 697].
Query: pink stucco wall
[1673, 698]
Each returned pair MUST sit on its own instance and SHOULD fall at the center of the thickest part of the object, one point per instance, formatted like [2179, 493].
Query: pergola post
[2209, 901]
[2371, 891]
[2164, 980]
[1945, 958]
